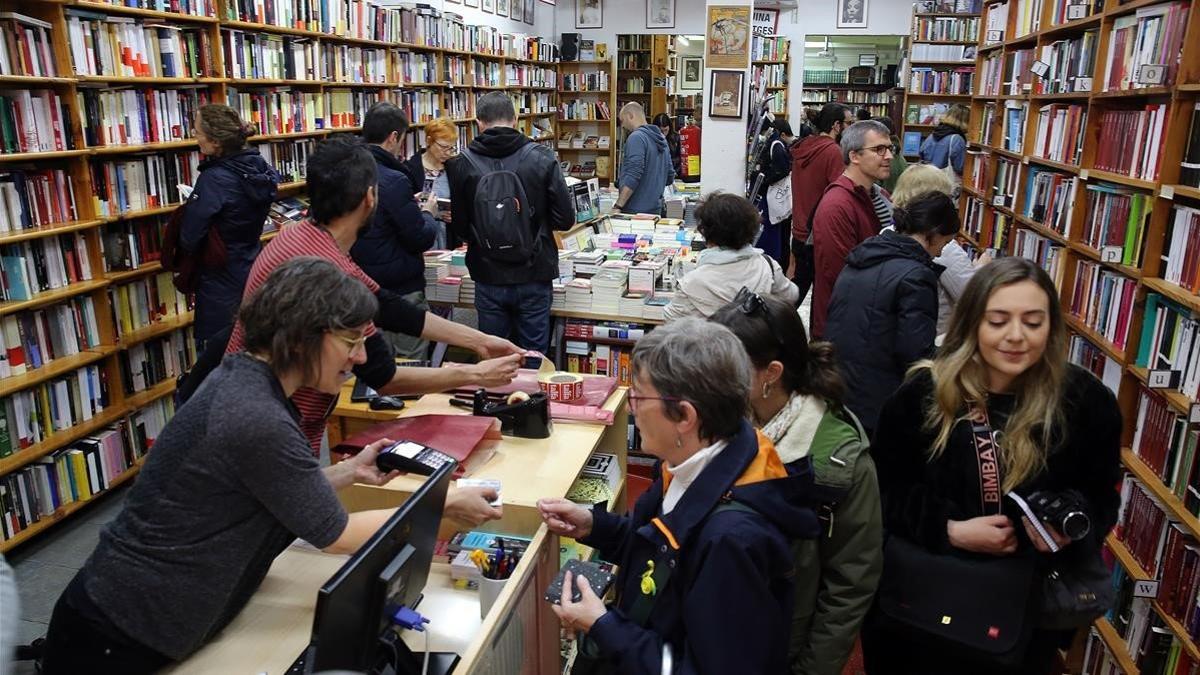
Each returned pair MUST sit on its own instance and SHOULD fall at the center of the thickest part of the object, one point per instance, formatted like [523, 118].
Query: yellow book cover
[601, 51]
[80, 472]
[126, 318]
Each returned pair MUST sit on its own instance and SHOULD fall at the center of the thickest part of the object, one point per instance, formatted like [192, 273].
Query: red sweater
[845, 219]
[816, 162]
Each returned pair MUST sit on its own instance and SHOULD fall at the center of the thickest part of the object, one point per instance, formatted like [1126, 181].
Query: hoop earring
[679, 441]
[766, 389]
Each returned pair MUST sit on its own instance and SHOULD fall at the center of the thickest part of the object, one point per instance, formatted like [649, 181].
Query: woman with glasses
[231, 482]
[441, 143]
[729, 262]
[883, 313]
[796, 399]
[706, 569]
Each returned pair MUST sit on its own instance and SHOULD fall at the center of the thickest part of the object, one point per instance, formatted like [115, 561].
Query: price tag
[998, 200]
[1112, 254]
[1025, 159]
[1083, 84]
[1076, 12]
[1151, 73]
[1163, 379]
[1167, 192]
[1040, 68]
[1194, 414]
[995, 35]
[1083, 174]
[1145, 588]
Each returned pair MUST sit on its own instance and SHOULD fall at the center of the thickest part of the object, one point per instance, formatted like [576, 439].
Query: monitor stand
[440, 663]
[394, 657]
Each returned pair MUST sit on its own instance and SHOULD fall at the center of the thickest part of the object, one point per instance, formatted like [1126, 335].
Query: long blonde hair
[960, 375]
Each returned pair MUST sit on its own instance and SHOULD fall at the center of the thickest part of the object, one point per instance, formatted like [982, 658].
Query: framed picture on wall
[727, 44]
[503, 8]
[488, 6]
[471, 3]
[550, 2]
[852, 14]
[516, 10]
[660, 13]
[589, 14]
[725, 93]
[693, 73]
[529, 12]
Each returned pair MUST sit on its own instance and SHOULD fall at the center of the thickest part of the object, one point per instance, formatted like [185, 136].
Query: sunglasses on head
[751, 303]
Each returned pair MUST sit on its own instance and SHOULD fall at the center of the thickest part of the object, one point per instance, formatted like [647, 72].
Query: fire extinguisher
[689, 153]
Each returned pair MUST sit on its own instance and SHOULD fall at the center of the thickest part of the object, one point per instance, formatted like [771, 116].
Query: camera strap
[987, 455]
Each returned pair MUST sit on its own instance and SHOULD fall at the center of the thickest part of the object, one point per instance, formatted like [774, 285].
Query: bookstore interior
[1082, 139]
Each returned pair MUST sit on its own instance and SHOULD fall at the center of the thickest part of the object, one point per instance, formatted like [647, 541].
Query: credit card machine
[411, 457]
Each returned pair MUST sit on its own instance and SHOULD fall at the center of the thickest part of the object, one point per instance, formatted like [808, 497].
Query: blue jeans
[518, 312]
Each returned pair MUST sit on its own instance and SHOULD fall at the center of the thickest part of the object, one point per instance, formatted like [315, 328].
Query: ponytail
[822, 377]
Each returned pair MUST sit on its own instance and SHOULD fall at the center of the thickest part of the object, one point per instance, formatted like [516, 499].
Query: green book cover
[6, 447]
[1133, 231]
[1148, 320]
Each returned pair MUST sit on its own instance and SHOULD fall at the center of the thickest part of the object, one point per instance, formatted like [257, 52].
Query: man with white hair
[646, 166]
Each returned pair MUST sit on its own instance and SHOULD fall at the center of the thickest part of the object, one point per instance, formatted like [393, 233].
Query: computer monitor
[354, 607]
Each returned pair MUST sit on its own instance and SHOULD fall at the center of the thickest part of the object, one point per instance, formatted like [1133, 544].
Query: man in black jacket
[391, 249]
[513, 299]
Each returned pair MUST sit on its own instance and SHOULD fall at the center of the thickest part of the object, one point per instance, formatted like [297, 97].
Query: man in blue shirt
[646, 166]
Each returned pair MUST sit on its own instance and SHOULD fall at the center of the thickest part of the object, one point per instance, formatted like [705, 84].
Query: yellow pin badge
[648, 587]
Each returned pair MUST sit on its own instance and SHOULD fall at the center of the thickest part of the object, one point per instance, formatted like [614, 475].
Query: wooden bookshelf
[934, 29]
[773, 72]
[602, 71]
[523, 65]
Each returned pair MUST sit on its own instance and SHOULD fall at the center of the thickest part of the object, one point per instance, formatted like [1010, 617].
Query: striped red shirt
[294, 241]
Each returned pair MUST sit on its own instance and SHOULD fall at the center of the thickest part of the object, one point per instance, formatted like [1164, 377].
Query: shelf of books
[770, 58]
[940, 67]
[96, 103]
[1084, 156]
[587, 117]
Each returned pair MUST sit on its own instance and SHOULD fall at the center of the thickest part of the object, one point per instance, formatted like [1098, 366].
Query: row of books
[32, 198]
[264, 56]
[1006, 182]
[1144, 47]
[634, 61]
[1181, 257]
[355, 64]
[148, 363]
[945, 29]
[770, 48]
[79, 471]
[120, 46]
[34, 414]
[461, 105]
[35, 338]
[973, 218]
[1150, 643]
[32, 267]
[1018, 73]
[1103, 300]
[580, 109]
[1060, 132]
[921, 51]
[523, 75]
[137, 116]
[1130, 141]
[1062, 11]
[144, 302]
[926, 80]
[594, 359]
[1115, 222]
[1050, 198]
[1189, 174]
[1027, 15]
[488, 74]
[580, 140]
[456, 70]
[927, 113]
[1083, 352]
[188, 7]
[285, 111]
[1013, 135]
[593, 81]
[1169, 342]
[771, 75]
[34, 120]
[1069, 65]
[991, 74]
[416, 67]
[25, 47]
[1047, 253]
[129, 244]
[143, 181]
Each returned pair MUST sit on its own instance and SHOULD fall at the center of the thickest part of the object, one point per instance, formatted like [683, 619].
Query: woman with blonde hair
[229, 202]
[441, 143]
[947, 145]
[998, 412]
[916, 181]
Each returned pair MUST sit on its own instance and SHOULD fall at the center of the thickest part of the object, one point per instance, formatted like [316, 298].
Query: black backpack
[502, 215]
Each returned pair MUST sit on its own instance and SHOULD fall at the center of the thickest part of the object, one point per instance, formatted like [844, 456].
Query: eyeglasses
[353, 344]
[446, 147]
[881, 150]
[751, 303]
[634, 398]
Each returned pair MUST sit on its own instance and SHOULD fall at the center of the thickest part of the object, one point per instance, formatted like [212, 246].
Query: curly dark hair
[727, 220]
[224, 126]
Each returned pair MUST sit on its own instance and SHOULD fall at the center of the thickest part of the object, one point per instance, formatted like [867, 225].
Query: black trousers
[79, 642]
[802, 276]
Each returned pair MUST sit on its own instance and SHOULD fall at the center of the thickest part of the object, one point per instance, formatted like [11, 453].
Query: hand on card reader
[410, 457]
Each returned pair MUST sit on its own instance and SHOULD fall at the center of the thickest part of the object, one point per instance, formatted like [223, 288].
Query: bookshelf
[831, 73]
[587, 108]
[634, 67]
[85, 202]
[940, 68]
[770, 59]
[1081, 169]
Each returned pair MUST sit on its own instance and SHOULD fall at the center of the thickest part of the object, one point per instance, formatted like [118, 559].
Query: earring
[679, 441]
[766, 389]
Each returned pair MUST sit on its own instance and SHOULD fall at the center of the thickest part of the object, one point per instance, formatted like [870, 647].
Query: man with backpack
[507, 197]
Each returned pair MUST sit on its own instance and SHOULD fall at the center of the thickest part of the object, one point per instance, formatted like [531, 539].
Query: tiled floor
[46, 565]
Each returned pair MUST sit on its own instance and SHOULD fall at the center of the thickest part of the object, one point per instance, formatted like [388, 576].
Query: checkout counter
[520, 634]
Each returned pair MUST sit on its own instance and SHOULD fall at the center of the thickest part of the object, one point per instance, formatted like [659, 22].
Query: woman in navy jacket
[231, 198]
[706, 570]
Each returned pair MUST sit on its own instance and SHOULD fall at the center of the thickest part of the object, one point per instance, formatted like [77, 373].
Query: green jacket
[898, 166]
[836, 575]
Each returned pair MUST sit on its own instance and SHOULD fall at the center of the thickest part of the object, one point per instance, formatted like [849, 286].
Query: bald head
[632, 115]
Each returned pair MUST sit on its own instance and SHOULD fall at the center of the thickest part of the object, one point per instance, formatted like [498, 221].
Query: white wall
[692, 48]
[543, 18]
[628, 17]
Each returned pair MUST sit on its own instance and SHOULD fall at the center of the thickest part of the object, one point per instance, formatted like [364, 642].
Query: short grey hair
[702, 363]
[495, 106]
[854, 138]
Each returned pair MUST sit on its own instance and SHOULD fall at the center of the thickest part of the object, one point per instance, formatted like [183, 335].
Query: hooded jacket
[816, 162]
[725, 608]
[233, 194]
[720, 273]
[545, 189]
[945, 146]
[646, 169]
[836, 573]
[882, 318]
[391, 250]
[845, 218]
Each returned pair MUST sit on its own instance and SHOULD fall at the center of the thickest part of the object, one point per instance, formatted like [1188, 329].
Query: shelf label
[1083, 84]
[1145, 588]
[1025, 159]
[998, 200]
[1151, 73]
[1040, 68]
[1112, 254]
[1163, 379]
[1194, 414]
[1076, 12]
[1083, 174]
[1167, 192]
[995, 35]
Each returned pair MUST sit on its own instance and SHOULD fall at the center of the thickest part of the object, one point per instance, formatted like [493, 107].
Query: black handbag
[1076, 593]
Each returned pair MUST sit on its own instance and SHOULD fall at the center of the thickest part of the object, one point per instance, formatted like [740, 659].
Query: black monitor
[354, 608]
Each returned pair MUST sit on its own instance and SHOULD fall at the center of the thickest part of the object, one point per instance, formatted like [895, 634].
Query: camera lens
[1076, 525]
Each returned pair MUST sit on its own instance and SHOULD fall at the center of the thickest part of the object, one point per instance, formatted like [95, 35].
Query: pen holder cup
[489, 590]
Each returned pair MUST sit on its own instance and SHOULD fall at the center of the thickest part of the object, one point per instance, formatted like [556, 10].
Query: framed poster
[589, 14]
[550, 2]
[693, 72]
[726, 93]
[488, 6]
[852, 14]
[471, 3]
[503, 8]
[516, 10]
[728, 42]
[660, 13]
[529, 12]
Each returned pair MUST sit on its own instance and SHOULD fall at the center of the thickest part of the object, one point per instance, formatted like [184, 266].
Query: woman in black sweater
[1057, 429]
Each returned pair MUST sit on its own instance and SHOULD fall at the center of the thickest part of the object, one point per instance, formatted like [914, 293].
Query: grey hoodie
[646, 169]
